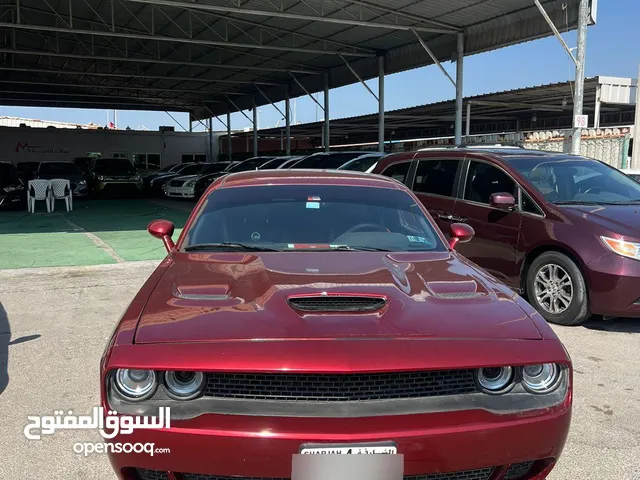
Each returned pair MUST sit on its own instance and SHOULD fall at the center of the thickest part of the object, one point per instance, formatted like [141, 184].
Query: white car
[184, 186]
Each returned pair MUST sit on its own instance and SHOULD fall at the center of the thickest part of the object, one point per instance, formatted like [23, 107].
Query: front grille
[518, 470]
[481, 474]
[337, 303]
[339, 387]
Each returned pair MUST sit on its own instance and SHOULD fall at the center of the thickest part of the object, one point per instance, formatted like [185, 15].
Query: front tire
[556, 289]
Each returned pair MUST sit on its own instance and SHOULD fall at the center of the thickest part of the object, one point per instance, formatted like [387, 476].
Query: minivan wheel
[556, 288]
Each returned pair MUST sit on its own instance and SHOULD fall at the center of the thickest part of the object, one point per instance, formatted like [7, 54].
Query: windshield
[577, 180]
[8, 175]
[318, 217]
[249, 164]
[275, 163]
[169, 168]
[361, 164]
[213, 168]
[322, 161]
[114, 166]
[58, 168]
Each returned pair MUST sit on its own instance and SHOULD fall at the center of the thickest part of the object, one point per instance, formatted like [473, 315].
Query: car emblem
[255, 236]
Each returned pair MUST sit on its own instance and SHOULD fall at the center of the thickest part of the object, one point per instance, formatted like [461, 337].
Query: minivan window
[577, 180]
[398, 171]
[483, 180]
[436, 177]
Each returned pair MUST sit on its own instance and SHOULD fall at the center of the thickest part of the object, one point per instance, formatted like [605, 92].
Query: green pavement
[69, 238]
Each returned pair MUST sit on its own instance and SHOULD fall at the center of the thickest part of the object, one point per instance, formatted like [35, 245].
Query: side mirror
[502, 200]
[460, 233]
[163, 229]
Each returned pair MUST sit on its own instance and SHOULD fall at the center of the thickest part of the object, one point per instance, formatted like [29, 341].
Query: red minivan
[562, 230]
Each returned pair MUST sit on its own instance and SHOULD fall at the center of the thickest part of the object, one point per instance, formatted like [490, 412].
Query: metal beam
[459, 84]
[102, 104]
[194, 41]
[238, 109]
[269, 100]
[105, 97]
[154, 61]
[554, 29]
[291, 16]
[174, 119]
[255, 128]
[229, 139]
[358, 77]
[635, 154]
[433, 57]
[468, 120]
[381, 103]
[327, 136]
[516, 105]
[306, 91]
[287, 107]
[578, 99]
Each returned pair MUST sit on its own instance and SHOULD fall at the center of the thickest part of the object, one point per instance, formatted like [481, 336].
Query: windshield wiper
[579, 202]
[229, 246]
[360, 248]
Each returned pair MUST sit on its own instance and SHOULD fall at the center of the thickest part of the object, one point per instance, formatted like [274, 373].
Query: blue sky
[611, 51]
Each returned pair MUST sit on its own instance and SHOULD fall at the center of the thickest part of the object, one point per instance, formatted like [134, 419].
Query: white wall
[36, 144]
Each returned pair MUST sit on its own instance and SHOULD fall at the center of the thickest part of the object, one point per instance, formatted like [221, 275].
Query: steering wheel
[366, 227]
[590, 190]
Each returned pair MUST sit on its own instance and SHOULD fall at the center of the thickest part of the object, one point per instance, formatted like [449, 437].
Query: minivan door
[495, 244]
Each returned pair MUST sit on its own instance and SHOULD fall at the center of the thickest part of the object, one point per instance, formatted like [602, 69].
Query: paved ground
[96, 232]
[54, 323]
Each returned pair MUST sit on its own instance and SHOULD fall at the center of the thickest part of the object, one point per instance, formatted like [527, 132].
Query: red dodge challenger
[324, 312]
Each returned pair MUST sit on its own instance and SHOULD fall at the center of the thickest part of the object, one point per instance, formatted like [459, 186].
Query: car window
[398, 171]
[528, 205]
[577, 179]
[484, 179]
[327, 160]
[361, 164]
[284, 216]
[436, 176]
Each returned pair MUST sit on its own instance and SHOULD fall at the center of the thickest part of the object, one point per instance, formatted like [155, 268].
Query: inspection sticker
[417, 239]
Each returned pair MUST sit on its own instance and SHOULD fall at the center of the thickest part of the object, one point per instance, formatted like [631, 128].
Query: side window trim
[499, 167]
[521, 193]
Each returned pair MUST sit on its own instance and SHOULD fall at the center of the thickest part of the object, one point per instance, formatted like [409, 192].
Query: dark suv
[563, 230]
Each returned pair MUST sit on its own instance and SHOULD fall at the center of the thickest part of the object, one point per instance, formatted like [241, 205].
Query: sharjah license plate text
[346, 450]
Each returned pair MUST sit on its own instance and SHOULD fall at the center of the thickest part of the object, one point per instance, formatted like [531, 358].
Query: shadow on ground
[5, 342]
[617, 325]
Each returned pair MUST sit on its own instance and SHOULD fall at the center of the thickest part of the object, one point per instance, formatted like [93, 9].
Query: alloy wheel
[553, 289]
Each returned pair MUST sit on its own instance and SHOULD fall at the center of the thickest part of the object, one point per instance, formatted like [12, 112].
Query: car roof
[308, 176]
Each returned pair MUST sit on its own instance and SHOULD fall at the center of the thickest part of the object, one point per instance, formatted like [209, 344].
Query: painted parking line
[97, 240]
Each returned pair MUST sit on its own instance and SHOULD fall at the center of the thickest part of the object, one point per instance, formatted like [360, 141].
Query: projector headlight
[495, 379]
[540, 378]
[184, 385]
[135, 384]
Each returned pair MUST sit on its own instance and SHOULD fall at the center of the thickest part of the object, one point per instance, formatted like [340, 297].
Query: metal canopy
[198, 55]
[534, 108]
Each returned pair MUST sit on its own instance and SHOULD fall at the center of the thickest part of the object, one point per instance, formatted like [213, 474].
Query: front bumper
[179, 192]
[119, 184]
[614, 286]
[240, 446]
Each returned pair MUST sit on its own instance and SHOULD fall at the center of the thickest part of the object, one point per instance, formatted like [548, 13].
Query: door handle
[452, 218]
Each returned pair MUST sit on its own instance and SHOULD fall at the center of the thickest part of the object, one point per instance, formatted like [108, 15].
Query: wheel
[556, 288]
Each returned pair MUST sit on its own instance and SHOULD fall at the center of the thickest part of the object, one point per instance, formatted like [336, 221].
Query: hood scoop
[328, 303]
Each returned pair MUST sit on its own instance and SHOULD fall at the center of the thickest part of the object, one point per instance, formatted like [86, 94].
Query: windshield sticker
[313, 205]
[313, 199]
[417, 239]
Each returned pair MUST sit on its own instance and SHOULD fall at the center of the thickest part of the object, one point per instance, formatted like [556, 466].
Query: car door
[495, 244]
[435, 184]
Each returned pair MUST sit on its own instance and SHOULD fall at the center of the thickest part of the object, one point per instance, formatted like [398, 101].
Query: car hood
[185, 178]
[209, 297]
[72, 177]
[621, 219]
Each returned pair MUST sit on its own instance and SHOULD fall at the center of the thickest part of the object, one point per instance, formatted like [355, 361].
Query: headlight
[137, 177]
[184, 385]
[540, 378]
[190, 183]
[135, 384]
[82, 183]
[495, 379]
[100, 178]
[621, 247]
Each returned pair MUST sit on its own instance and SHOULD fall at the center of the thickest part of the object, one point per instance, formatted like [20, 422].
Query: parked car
[635, 174]
[27, 170]
[115, 176]
[68, 171]
[365, 163]
[256, 331]
[562, 230]
[13, 191]
[253, 163]
[146, 178]
[183, 186]
[156, 185]
[84, 165]
[278, 162]
[328, 160]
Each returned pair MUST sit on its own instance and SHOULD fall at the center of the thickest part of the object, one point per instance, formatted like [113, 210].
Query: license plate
[350, 449]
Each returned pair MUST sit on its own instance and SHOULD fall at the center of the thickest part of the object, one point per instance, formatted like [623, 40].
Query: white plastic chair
[38, 190]
[61, 189]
